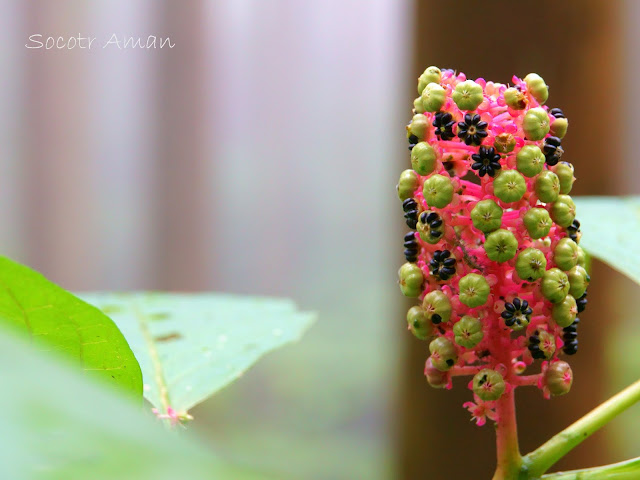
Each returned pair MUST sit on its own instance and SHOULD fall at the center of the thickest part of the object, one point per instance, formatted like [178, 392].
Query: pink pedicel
[512, 326]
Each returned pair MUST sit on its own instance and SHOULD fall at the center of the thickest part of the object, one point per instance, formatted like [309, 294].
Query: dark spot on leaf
[168, 337]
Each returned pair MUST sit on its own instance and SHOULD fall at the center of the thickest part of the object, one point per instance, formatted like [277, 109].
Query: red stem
[509, 458]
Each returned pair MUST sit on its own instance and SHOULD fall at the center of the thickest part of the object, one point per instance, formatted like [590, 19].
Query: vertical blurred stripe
[121, 89]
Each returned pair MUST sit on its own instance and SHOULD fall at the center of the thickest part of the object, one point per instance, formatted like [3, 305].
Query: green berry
[559, 127]
[547, 186]
[468, 331]
[537, 88]
[430, 75]
[509, 186]
[423, 158]
[563, 211]
[417, 105]
[411, 279]
[535, 124]
[537, 222]
[486, 216]
[419, 323]
[437, 307]
[419, 126]
[433, 97]
[515, 98]
[564, 171]
[488, 385]
[407, 184]
[565, 254]
[438, 191]
[530, 160]
[444, 354]
[555, 285]
[468, 95]
[430, 227]
[531, 264]
[435, 377]
[504, 142]
[558, 378]
[547, 343]
[564, 313]
[474, 290]
[578, 281]
[583, 259]
[501, 245]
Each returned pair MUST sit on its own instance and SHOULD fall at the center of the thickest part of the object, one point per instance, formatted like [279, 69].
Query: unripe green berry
[582, 258]
[531, 264]
[530, 160]
[444, 354]
[555, 285]
[515, 98]
[537, 88]
[564, 171]
[407, 184]
[423, 158]
[474, 290]
[501, 245]
[547, 343]
[559, 127]
[468, 95]
[578, 281]
[536, 124]
[565, 254]
[509, 186]
[558, 378]
[564, 313]
[435, 377]
[547, 186]
[468, 331]
[437, 307]
[488, 385]
[504, 142]
[486, 216]
[419, 126]
[430, 75]
[563, 211]
[438, 191]
[411, 279]
[417, 105]
[537, 222]
[433, 97]
[419, 323]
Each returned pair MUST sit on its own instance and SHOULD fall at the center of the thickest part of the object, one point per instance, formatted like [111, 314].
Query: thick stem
[509, 458]
[628, 470]
[541, 459]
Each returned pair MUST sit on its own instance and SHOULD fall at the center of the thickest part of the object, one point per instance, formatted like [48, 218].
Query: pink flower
[481, 411]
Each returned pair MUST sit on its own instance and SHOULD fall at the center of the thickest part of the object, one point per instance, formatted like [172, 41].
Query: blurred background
[260, 156]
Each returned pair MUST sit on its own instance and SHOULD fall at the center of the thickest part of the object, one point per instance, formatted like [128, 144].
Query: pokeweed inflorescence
[493, 252]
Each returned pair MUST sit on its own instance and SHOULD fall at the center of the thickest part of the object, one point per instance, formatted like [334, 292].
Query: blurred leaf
[191, 345]
[54, 319]
[59, 426]
[611, 231]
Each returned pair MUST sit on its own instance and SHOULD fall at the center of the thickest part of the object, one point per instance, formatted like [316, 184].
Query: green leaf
[611, 231]
[191, 345]
[54, 319]
[59, 426]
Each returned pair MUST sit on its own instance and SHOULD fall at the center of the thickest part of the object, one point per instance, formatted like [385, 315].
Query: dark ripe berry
[436, 319]
[442, 265]
[557, 113]
[409, 204]
[444, 123]
[570, 338]
[411, 246]
[413, 139]
[411, 218]
[552, 150]
[573, 231]
[517, 314]
[582, 303]
[486, 161]
[409, 236]
[430, 227]
[472, 130]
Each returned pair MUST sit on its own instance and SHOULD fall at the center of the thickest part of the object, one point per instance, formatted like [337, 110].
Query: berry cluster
[493, 252]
